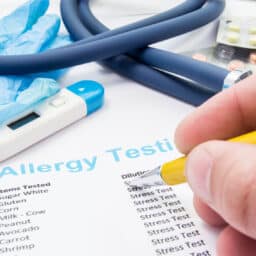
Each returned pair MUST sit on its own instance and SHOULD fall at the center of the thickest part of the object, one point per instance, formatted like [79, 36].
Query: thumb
[223, 174]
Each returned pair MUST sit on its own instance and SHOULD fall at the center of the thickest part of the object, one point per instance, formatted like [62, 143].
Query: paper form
[79, 205]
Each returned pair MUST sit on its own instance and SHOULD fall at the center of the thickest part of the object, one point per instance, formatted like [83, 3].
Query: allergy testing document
[67, 195]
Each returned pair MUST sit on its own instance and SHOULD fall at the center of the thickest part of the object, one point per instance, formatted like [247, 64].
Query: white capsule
[234, 27]
[233, 38]
[252, 40]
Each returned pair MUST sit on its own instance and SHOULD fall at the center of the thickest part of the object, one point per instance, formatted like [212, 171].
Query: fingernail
[198, 172]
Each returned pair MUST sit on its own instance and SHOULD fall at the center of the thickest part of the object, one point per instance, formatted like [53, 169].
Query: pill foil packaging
[227, 57]
[238, 32]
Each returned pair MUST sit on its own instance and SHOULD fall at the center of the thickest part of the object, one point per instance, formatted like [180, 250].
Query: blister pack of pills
[228, 57]
[238, 32]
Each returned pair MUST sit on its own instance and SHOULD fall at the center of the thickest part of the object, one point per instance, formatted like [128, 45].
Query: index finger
[226, 115]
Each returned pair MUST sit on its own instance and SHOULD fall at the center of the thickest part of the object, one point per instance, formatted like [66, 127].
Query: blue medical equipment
[125, 50]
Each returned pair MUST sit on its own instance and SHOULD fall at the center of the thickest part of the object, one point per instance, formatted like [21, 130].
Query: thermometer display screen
[23, 121]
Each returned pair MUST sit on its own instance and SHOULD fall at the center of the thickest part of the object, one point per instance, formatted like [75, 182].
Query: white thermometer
[55, 113]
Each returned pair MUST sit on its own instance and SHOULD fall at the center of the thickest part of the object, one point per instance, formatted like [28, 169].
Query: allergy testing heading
[87, 164]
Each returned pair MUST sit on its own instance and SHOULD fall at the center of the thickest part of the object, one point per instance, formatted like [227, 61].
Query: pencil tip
[148, 179]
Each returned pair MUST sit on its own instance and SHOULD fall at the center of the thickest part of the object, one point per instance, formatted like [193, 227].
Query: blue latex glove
[25, 31]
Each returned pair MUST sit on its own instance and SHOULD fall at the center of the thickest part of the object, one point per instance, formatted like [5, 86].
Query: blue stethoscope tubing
[179, 76]
[205, 74]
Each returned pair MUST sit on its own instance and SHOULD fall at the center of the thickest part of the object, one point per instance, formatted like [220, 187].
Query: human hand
[223, 174]
[25, 31]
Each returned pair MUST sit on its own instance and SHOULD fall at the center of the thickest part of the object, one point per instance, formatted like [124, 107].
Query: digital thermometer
[69, 105]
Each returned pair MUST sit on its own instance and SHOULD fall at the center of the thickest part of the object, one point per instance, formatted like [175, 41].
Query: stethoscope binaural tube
[164, 60]
[129, 67]
[170, 62]
[141, 64]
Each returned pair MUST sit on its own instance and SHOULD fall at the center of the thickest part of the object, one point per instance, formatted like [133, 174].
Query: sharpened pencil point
[149, 179]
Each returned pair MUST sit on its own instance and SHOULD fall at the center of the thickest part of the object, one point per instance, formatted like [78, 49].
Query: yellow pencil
[172, 173]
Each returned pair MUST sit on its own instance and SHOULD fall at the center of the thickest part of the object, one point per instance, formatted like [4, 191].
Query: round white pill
[253, 58]
[235, 65]
[200, 57]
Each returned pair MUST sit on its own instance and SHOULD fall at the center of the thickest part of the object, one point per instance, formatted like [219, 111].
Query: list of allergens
[170, 228]
[19, 221]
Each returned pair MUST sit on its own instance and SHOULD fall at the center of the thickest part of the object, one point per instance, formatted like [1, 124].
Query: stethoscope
[124, 50]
